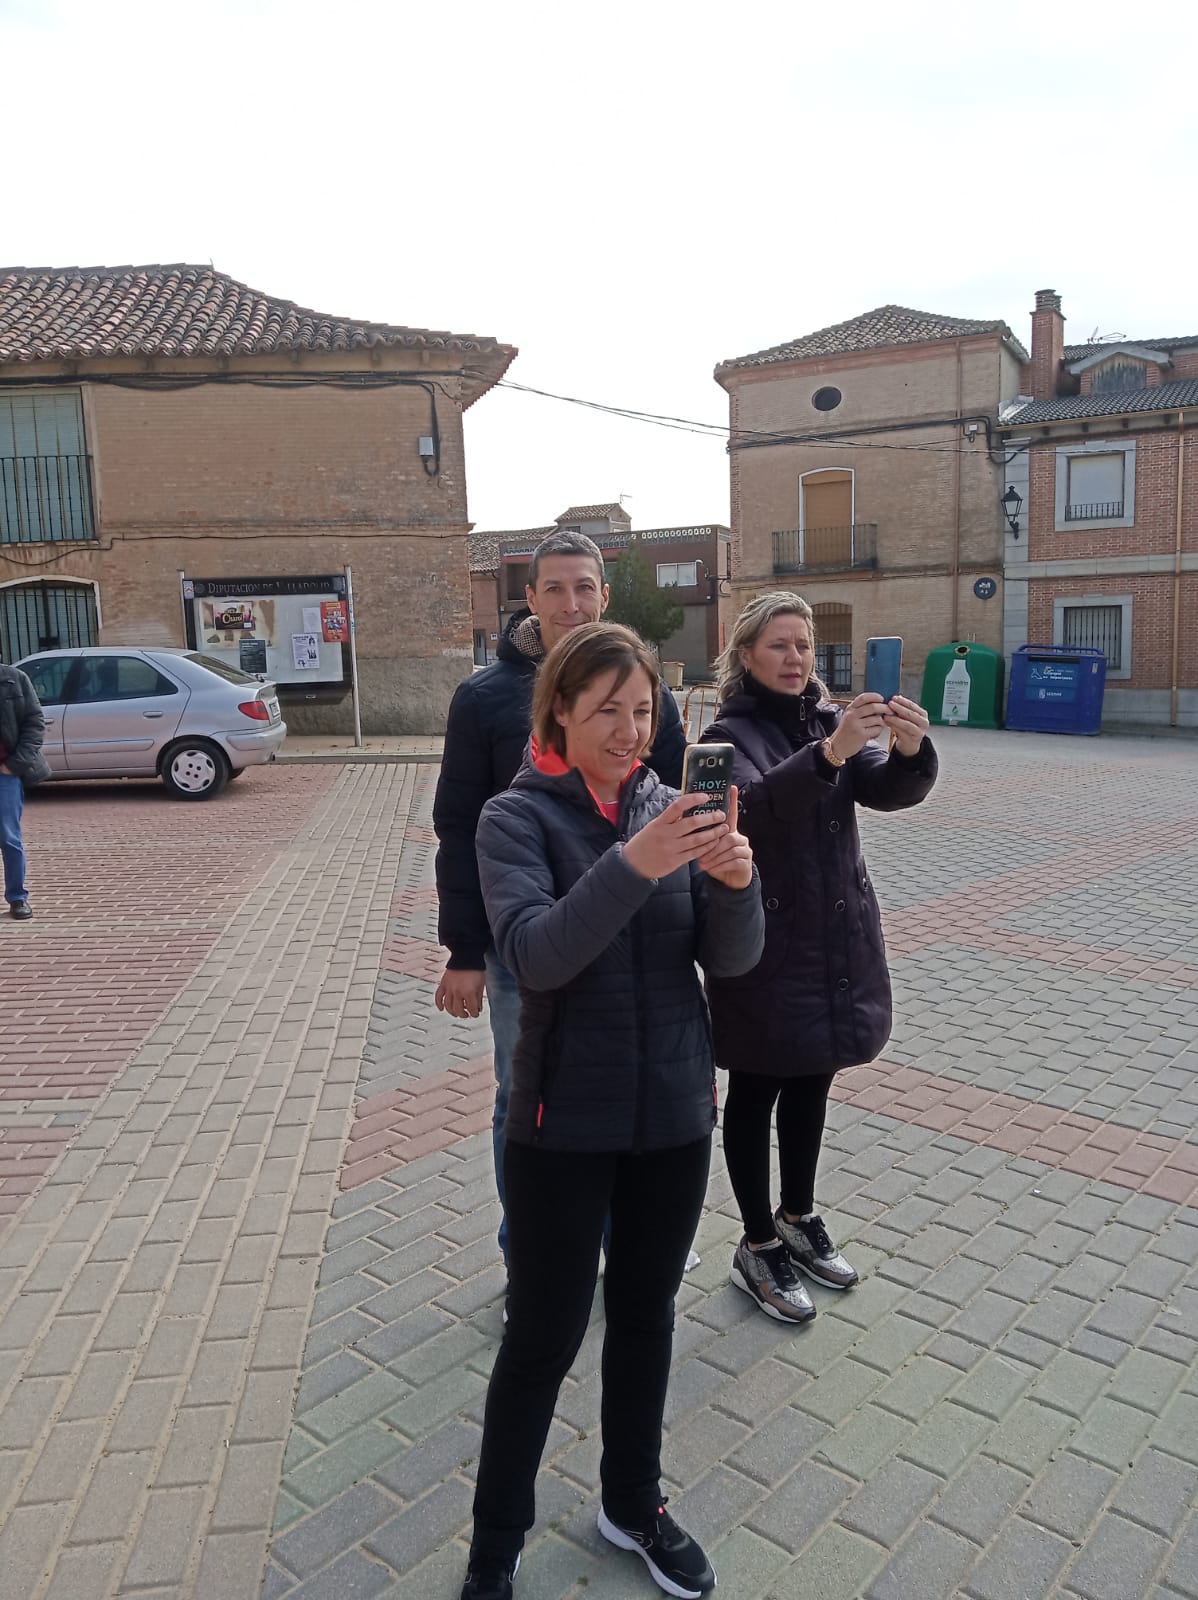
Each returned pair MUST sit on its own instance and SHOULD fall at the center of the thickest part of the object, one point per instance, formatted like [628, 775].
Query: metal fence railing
[45, 498]
[1094, 510]
[826, 549]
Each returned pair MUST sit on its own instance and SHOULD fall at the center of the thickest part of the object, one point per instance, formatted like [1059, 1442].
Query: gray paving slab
[1005, 1407]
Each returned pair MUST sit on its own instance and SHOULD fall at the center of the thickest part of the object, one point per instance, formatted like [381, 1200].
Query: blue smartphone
[884, 666]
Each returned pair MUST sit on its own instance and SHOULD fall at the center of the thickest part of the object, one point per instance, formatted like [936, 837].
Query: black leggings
[748, 1112]
[557, 1202]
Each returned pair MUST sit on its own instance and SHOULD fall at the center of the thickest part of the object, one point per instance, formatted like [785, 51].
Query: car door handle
[151, 713]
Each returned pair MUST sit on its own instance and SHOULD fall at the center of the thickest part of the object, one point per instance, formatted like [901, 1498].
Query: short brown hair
[585, 654]
[565, 544]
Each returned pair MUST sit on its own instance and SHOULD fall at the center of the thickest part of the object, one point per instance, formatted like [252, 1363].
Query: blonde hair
[572, 666]
[731, 672]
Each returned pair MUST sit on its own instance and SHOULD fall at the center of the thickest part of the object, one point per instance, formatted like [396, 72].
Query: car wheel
[236, 772]
[193, 770]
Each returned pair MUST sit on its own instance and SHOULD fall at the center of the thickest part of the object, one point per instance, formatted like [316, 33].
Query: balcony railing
[826, 549]
[45, 498]
[1095, 511]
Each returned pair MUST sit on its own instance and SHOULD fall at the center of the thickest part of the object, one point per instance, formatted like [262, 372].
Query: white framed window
[683, 573]
[1096, 485]
[1096, 622]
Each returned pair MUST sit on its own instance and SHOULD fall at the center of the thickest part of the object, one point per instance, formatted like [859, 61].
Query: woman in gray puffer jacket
[602, 894]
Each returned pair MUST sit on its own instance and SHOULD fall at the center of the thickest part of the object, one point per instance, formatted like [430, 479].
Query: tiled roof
[593, 513]
[1108, 403]
[1079, 352]
[873, 330]
[489, 544]
[484, 552]
[88, 313]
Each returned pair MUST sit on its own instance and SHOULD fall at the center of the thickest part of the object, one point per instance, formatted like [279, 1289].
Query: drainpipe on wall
[1176, 653]
[957, 505]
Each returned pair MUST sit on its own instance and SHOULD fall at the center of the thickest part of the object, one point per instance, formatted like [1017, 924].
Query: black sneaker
[769, 1277]
[814, 1253]
[21, 910]
[675, 1560]
[490, 1579]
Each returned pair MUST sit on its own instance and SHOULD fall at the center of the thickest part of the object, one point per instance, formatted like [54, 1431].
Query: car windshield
[229, 674]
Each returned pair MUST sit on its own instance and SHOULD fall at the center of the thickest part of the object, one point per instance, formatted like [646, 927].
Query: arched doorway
[834, 645]
[46, 616]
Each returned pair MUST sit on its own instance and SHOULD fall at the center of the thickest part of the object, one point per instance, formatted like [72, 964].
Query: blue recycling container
[1056, 689]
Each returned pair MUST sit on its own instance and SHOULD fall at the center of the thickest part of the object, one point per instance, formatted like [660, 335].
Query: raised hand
[674, 838]
[864, 719]
[730, 859]
[908, 722]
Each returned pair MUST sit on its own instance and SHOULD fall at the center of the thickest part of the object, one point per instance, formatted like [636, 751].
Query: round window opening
[826, 399]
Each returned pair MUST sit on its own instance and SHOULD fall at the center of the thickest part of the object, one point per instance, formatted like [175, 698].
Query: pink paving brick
[1137, 1161]
[1089, 1160]
[1170, 1184]
[132, 890]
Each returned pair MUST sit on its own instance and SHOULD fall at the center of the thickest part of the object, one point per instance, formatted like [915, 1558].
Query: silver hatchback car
[172, 714]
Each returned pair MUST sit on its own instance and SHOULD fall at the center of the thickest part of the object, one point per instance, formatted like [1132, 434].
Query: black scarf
[793, 713]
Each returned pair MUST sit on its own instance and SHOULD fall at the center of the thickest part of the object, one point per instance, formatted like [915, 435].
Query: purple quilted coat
[819, 998]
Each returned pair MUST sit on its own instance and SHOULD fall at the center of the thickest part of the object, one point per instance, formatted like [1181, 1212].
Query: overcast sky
[629, 193]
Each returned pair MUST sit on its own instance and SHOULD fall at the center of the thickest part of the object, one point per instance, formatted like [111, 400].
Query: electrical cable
[828, 440]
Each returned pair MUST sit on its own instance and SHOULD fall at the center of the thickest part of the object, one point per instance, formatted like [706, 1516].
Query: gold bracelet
[830, 755]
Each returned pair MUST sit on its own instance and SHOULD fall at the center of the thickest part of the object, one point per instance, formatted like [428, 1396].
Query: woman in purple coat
[819, 998]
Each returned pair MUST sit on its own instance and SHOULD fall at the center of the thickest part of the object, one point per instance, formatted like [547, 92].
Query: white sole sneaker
[625, 1541]
[737, 1277]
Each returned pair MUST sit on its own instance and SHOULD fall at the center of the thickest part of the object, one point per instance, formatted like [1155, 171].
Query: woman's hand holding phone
[908, 722]
[730, 859]
[864, 719]
[675, 838]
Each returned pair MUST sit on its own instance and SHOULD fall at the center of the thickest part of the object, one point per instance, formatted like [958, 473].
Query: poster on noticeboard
[293, 630]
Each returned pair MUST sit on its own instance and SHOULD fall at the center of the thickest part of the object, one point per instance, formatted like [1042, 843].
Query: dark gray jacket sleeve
[545, 940]
[669, 747]
[463, 788]
[731, 925]
[26, 759]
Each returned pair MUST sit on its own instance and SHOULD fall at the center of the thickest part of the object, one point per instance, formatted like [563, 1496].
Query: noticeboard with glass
[292, 630]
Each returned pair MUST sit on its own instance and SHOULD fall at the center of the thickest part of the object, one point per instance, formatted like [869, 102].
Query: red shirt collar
[553, 766]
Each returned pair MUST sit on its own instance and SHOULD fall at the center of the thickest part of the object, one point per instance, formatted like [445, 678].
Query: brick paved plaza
[249, 1292]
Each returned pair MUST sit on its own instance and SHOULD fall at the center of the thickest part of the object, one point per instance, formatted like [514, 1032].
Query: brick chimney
[1048, 344]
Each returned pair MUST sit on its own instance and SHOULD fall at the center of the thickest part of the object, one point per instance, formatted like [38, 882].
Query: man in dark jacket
[22, 727]
[485, 738]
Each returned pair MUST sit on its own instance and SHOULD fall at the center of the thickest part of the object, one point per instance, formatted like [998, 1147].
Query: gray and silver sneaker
[814, 1253]
[769, 1277]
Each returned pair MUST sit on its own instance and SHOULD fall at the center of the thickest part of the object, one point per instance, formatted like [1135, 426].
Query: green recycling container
[962, 686]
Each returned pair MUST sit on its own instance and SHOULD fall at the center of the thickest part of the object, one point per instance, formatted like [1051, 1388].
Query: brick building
[1104, 551]
[186, 460]
[695, 560]
[862, 476]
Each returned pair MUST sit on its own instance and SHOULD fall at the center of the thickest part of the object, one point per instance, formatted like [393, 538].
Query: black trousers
[748, 1114]
[556, 1205]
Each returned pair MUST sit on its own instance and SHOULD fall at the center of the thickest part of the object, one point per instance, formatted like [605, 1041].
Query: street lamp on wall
[1012, 505]
[717, 582]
